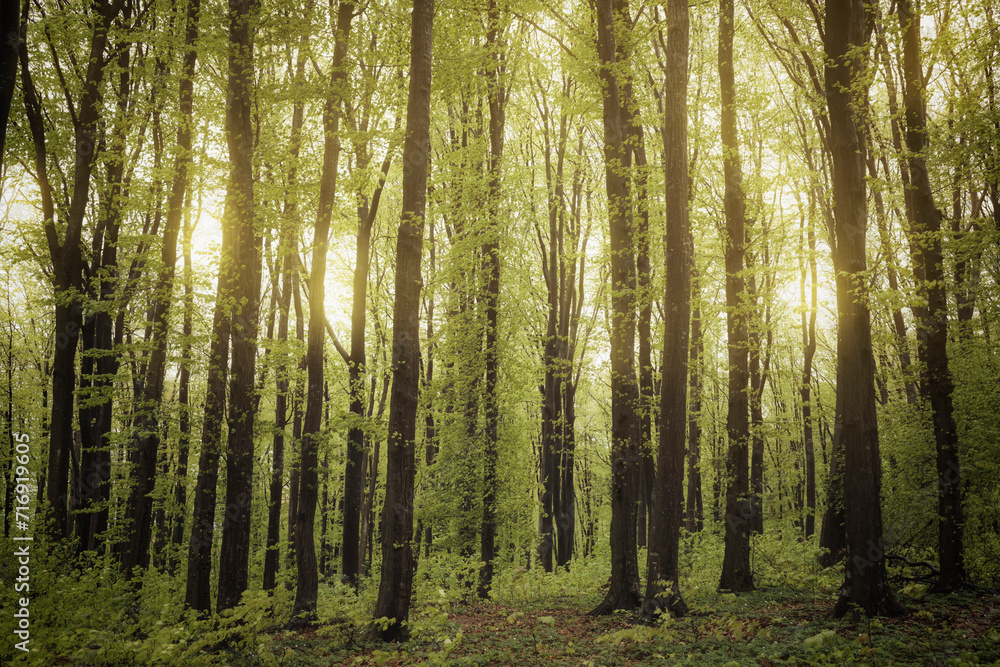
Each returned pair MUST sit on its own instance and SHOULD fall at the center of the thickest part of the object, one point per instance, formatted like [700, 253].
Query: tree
[395, 585]
[287, 261]
[865, 583]
[736, 574]
[10, 19]
[662, 586]
[65, 249]
[147, 428]
[491, 261]
[623, 592]
[305, 550]
[932, 327]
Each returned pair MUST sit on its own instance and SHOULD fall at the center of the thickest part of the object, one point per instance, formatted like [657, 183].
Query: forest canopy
[323, 314]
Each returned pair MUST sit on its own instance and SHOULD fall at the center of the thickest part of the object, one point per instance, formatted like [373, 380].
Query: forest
[500, 332]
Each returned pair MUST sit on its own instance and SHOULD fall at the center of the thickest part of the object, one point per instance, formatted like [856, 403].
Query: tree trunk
[805, 388]
[294, 461]
[272, 558]
[66, 256]
[932, 329]
[694, 519]
[354, 470]
[736, 574]
[234, 552]
[662, 585]
[491, 262]
[396, 582]
[623, 592]
[199, 576]
[10, 18]
[865, 585]
[184, 404]
[305, 550]
[147, 427]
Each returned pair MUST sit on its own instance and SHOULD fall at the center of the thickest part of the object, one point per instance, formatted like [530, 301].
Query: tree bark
[199, 574]
[662, 583]
[491, 261]
[932, 328]
[694, 514]
[146, 441]
[234, 552]
[305, 549]
[66, 254]
[805, 388]
[396, 583]
[184, 404]
[865, 585]
[623, 592]
[736, 574]
[10, 19]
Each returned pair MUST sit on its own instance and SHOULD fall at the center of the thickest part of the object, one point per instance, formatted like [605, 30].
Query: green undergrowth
[83, 614]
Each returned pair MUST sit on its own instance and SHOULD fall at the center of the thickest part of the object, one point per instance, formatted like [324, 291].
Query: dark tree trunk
[305, 550]
[234, 552]
[491, 265]
[430, 427]
[623, 592]
[199, 576]
[99, 363]
[694, 515]
[10, 20]
[66, 254]
[396, 582]
[288, 253]
[354, 470]
[662, 585]
[805, 389]
[294, 460]
[97, 367]
[184, 404]
[865, 586]
[932, 329]
[554, 349]
[146, 441]
[758, 378]
[736, 574]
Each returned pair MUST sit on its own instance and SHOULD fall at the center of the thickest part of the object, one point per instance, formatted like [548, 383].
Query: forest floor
[773, 626]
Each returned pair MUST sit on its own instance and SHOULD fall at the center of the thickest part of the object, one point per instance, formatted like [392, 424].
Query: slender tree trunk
[430, 426]
[662, 561]
[234, 552]
[736, 574]
[623, 592]
[491, 261]
[694, 518]
[805, 388]
[147, 427]
[932, 329]
[294, 462]
[66, 257]
[898, 324]
[305, 549]
[184, 403]
[199, 574]
[865, 583]
[272, 558]
[354, 471]
[10, 18]
[396, 582]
